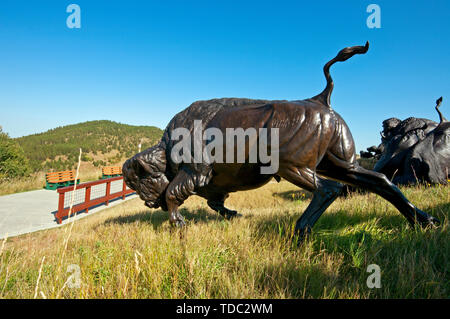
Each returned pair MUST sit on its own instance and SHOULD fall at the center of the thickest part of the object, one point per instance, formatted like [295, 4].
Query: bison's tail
[441, 117]
[146, 174]
[343, 55]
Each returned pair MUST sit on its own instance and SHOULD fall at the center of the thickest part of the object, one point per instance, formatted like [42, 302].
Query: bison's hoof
[430, 222]
[178, 222]
[433, 222]
[425, 220]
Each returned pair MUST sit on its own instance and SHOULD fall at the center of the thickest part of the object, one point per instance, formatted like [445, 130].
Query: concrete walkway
[27, 212]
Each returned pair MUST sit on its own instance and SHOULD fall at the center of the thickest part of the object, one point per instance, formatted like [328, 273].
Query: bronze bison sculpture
[315, 151]
[414, 150]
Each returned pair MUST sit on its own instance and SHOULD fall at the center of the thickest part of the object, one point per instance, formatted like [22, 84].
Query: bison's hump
[205, 111]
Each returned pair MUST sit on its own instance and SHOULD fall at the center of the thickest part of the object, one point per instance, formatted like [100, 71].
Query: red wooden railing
[88, 202]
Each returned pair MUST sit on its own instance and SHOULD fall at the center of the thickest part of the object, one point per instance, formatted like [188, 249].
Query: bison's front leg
[175, 218]
[177, 192]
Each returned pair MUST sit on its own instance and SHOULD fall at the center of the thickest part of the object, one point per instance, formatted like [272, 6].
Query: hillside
[103, 143]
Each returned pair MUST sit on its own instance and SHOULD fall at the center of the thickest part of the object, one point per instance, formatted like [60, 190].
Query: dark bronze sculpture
[316, 152]
[414, 150]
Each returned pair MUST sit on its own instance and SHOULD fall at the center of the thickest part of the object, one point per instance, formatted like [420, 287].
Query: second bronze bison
[414, 151]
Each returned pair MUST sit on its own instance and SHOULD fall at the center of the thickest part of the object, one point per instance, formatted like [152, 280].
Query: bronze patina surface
[316, 153]
[414, 150]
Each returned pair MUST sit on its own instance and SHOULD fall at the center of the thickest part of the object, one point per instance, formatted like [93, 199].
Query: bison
[415, 150]
[315, 151]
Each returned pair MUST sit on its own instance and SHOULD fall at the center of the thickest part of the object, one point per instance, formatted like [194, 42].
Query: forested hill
[102, 142]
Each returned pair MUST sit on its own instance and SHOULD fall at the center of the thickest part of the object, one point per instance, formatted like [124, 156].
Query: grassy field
[130, 251]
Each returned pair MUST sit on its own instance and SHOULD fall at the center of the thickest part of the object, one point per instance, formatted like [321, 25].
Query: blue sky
[141, 62]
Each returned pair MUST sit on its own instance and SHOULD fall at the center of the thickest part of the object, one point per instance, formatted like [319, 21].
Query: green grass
[129, 251]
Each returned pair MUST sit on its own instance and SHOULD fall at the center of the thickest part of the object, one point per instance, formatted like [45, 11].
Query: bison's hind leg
[324, 193]
[355, 175]
[327, 191]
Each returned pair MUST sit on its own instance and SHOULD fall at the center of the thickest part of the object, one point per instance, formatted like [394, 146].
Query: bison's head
[388, 127]
[145, 173]
[395, 151]
[397, 139]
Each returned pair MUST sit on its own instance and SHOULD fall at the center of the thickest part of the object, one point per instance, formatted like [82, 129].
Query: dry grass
[36, 181]
[129, 251]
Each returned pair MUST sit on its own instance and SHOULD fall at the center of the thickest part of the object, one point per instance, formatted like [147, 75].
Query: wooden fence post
[124, 188]
[87, 197]
[60, 207]
[108, 191]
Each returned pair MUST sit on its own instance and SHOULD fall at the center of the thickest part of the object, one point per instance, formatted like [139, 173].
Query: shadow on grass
[283, 225]
[158, 217]
[341, 229]
[358, 239]
[400, 250]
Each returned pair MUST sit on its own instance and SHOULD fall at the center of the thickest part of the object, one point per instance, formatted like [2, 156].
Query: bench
[111, 171]
[56, 180]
